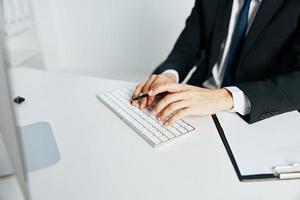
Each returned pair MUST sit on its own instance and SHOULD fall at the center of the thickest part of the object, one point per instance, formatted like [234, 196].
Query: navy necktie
[236, 44]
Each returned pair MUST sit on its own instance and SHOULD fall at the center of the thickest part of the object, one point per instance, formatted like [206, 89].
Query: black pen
[140, 97]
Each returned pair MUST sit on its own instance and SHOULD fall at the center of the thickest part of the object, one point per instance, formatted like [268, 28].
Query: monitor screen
[9, 133]
[18, 47]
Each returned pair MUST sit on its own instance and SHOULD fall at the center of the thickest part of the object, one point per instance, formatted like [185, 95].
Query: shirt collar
[259, 1]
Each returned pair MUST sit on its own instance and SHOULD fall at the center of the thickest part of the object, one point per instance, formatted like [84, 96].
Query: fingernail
[166, 123]
[150, 93]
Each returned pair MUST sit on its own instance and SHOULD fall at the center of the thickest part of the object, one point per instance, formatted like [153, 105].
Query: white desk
[101, 158]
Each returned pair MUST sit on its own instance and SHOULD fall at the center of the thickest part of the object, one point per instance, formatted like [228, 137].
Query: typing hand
[146, 88]
[185, 100]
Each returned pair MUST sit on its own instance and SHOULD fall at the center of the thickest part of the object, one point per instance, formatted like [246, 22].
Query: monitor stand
[40, 149]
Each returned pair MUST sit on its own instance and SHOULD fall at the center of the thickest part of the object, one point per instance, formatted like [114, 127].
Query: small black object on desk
[19, 100]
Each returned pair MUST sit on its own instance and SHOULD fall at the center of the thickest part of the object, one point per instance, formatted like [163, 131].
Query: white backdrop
[109, 38]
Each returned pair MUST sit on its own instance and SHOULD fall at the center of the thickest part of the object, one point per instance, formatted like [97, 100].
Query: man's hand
[185, 100]
[146, 88]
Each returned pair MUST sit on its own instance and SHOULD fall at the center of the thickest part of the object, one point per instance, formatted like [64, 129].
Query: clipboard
[247, 155]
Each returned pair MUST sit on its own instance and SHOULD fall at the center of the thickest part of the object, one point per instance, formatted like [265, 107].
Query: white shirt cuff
[241, 103]
[172, 71]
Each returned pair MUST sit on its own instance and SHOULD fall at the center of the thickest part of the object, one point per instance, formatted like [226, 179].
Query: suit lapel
[267, 10]
[220, 29]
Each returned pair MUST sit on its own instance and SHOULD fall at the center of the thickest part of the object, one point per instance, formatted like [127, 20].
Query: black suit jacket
[268, 71]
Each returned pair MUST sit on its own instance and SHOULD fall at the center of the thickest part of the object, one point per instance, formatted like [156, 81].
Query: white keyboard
[143, 122]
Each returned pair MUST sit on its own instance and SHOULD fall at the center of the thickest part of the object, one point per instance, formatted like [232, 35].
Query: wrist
[172, 77]
[226, 100]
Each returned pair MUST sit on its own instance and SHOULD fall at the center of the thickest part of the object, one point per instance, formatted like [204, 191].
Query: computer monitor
[9, 134]
[31, 147]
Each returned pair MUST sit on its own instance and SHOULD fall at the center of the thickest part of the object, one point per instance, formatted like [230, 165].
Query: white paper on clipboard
[259, 147]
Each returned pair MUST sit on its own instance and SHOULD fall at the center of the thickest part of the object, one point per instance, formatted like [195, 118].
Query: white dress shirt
[241, 102]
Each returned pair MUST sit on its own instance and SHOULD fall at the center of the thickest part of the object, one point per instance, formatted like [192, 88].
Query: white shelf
[21, 48]
[18, 27]
[17, 16]
[18, 57]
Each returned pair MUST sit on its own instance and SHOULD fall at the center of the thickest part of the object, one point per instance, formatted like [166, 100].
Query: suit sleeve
[275, 95]
[187, 49]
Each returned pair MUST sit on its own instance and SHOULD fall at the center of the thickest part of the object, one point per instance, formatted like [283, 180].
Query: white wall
[109, 38]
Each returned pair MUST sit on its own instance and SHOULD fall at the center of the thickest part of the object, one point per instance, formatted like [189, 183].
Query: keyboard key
[190, 128]
[148, 126]
[163, 138]
[157, 125]
[183, 123]
[182, 130]
[174, 131]
[168, 134]
[176, 125]
[147, 133]
[137, 124]
[155, 140]
[157, 133]
[162, 129]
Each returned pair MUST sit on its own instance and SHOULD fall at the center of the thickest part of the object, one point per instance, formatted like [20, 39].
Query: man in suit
[247, 54]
